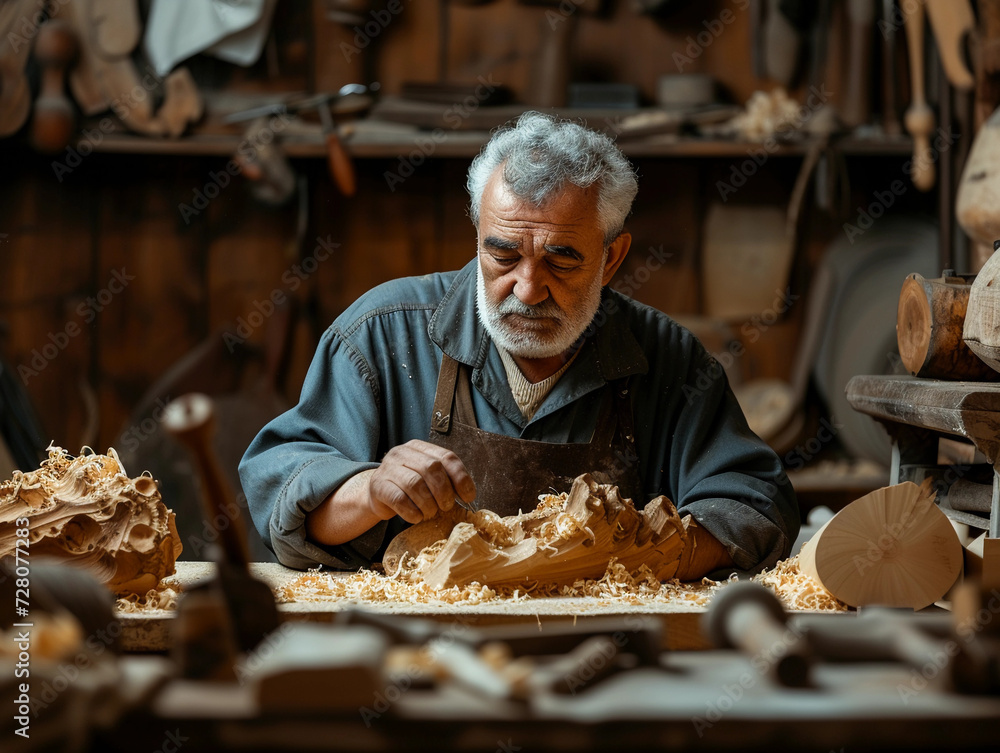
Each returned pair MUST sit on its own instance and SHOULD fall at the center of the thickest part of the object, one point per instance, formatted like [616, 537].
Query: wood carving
[982, 318]
[86, 511]
[929, 324]
[892, 547]
[565, 539]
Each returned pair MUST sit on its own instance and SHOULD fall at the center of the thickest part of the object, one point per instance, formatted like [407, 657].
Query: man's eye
[505, 260]
[562, 267]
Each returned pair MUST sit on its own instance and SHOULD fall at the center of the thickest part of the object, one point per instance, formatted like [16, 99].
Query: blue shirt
[371, 387]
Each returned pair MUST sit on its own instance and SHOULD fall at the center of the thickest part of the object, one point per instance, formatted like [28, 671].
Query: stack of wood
[930, 321]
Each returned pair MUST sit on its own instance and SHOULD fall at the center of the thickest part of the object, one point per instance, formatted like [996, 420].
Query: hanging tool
[919, 117]
[951, 21]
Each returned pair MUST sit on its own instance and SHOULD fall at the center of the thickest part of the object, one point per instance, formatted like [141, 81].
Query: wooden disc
[892, 547]
[913, 324]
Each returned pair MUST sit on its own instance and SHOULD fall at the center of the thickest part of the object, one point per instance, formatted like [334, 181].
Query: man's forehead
[570, 209]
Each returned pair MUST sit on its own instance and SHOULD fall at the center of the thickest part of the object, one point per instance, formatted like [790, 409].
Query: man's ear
[616, 255]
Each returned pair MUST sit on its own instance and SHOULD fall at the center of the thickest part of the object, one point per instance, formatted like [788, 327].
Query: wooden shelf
[378, 144]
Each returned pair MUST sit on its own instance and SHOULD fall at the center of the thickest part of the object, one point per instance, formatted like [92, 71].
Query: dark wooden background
[64, 239]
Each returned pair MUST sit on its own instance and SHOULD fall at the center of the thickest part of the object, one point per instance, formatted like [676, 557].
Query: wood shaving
[164, 596]
[796, 589]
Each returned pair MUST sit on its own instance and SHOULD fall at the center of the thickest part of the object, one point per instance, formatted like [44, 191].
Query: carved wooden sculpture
[559, 542]
[86, 511]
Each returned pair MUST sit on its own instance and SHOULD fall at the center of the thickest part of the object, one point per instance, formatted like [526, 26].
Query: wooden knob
[56, 49]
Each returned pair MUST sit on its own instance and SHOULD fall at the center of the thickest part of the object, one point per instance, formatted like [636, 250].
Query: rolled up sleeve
[303, 455]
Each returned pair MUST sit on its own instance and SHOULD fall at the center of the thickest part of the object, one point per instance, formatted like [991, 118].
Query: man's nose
[531, 286]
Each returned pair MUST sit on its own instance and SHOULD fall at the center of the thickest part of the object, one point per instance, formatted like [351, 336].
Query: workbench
[149, 629]
[916, 413]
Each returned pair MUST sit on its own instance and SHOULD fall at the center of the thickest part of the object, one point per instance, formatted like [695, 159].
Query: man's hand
[416, 480]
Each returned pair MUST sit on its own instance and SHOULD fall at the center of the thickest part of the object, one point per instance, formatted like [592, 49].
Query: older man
[513, 375]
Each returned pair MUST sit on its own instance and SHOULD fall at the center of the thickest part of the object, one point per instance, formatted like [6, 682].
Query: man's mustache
[547, 309]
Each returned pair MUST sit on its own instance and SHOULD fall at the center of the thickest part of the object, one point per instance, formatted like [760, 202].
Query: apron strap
[464, 412]
[447, 377]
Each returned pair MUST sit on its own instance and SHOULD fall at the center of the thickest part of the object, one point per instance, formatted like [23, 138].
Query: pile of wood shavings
[796, 589]
[366, 585]
[164, 596]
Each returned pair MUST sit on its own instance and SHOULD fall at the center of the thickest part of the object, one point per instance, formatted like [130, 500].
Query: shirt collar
[610, 351]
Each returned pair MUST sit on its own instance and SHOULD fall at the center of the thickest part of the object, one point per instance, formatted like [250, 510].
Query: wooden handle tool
[338, 160]
[56, 48]
[191, 420]
[749, 617]
[919, 117]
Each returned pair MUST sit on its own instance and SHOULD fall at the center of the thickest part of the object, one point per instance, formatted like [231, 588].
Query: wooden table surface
[149, 630]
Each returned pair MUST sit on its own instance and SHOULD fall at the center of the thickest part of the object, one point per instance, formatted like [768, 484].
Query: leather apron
[510, 472]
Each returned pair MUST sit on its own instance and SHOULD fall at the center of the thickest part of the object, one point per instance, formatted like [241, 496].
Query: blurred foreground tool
[247, 603]
[518, 661]
[749, 617]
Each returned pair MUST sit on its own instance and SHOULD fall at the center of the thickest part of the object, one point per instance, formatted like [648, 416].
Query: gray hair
[541, 153]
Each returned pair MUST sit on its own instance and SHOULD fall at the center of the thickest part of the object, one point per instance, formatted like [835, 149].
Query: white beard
[527, 344]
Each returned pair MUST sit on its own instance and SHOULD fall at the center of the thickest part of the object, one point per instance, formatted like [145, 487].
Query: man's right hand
[416, 480]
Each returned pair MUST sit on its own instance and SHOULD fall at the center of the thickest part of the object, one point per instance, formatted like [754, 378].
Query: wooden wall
[66, 240]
